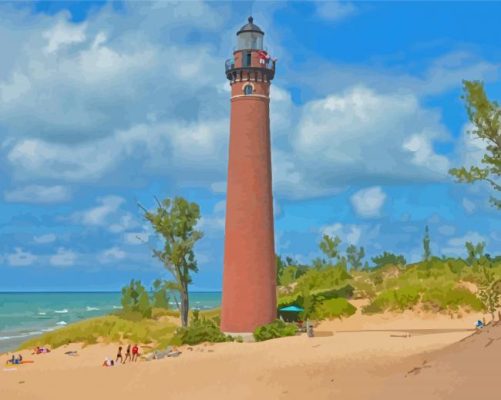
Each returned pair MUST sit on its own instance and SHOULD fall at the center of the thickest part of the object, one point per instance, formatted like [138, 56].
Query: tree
[426, 244]
[355, 256]
[135, 299]
[280, 267]
[388, 258]
[176, 220]
[475, 252]
[485, 116]
[160, 298]
[330, 246]
[488, 293]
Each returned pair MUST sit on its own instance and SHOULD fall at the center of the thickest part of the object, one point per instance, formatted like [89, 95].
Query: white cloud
[45, 239]
[98, 216]
[112, 254]
[38, 194]
[63, 34]
[368, 202]
[348, 233]
[360, 136]
[218, 187]
[456, 246]
[63, 258]
[20, 258]
[126, 222]
[446, 230]
[335, 10]
[468, 205]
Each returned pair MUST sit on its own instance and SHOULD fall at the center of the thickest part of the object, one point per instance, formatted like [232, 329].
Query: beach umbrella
[292, 309]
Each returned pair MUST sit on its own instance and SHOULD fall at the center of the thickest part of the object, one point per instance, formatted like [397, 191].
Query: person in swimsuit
[127, 354]
[135, 352]
[119, 355]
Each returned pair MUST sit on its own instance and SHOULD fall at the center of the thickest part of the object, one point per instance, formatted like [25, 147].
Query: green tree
[475, 252]
[488, 293]
[135, 299]
[388, 258]
[175, 221]
[355, 256]
[426, 245]
[160, 297]
[281, 265]
[330, 247]
[485, 116]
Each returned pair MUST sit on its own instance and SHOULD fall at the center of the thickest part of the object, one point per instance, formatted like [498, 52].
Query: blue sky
[104, 105]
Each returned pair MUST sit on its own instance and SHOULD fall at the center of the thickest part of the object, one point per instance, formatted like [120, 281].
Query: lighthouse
[249, 277]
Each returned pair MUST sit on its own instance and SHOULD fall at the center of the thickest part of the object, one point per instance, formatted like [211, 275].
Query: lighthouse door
[247, 59]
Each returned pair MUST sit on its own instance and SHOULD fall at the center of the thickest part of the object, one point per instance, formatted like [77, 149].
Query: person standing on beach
[135, 352]
[119, 355]
[127, 354]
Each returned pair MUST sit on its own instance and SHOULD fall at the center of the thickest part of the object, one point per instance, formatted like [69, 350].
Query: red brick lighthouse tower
[249, 282]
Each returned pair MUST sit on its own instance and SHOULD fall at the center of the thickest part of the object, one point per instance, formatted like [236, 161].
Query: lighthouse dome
[250, 36]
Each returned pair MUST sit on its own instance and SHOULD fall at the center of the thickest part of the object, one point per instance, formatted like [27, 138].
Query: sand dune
[346, 365]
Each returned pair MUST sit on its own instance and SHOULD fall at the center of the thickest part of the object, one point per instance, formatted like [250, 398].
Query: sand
[363, 357]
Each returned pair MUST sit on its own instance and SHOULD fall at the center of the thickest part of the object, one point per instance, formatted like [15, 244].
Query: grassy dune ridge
[117, 327]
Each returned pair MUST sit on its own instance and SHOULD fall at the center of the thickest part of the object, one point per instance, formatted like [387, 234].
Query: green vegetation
[335, 308]
[110, 328]
[388, 258]
[448, 285]
[426, 245]
[485, 116]
[200, 329]
[489, 294]
[355, 256]
[135, 301]
[175, 221]
[274, 330]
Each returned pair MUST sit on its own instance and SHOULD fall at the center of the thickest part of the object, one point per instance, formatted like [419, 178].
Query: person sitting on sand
[127, 354]
[479, 324]
[108, 363]
[12, 360]
[135, 352]
[119, 355]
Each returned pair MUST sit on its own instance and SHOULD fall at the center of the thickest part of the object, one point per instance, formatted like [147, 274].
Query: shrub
[396, 300]
[274, 330]
[159, 296]
[200, 330]
[448, 298]
[135, 299]
[335, 308]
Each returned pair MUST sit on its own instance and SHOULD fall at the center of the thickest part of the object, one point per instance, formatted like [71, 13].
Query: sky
[107, 105]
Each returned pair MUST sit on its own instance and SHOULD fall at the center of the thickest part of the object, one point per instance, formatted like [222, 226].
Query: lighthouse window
[248, 89]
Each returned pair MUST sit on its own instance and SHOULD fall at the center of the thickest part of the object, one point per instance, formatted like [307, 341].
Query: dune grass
[157, 331]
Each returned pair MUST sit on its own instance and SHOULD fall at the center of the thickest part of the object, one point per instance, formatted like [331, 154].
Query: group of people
[15, 360]
[131, 354]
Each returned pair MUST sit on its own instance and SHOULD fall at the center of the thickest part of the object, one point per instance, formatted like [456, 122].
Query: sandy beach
[363, 357]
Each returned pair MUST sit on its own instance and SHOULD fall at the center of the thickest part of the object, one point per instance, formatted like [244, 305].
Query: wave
[91, 308]
[61, 323]
[117, 307]
[21, 335]
[42, 313]
[61, 311]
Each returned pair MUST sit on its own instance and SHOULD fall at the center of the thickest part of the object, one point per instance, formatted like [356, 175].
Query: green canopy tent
[290, 313]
